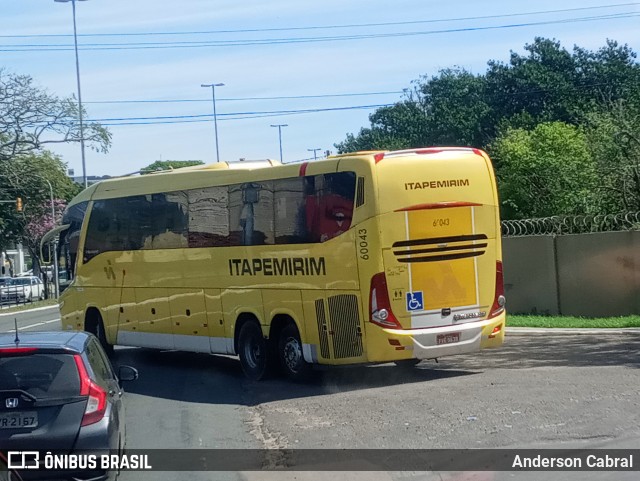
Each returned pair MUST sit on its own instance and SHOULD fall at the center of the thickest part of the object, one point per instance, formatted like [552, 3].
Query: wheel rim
[253, 352]
[292, 354]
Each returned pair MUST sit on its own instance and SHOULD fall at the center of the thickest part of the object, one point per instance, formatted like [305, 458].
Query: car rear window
[41, 375]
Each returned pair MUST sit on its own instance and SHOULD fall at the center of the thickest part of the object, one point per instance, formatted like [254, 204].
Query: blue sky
[385, 64]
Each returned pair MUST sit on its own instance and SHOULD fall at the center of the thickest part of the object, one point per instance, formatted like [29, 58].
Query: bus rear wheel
[253, 350]
[290, 354]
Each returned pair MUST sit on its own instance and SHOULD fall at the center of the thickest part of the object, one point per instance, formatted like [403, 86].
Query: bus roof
[198, 176]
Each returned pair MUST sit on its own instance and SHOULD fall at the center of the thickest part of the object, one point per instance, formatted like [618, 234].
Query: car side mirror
[127, 373]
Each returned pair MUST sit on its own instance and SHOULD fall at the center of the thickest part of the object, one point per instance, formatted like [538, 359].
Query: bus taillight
[499, 299]
[380, 312]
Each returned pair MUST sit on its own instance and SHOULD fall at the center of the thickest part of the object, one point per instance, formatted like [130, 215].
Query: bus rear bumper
[434, 342]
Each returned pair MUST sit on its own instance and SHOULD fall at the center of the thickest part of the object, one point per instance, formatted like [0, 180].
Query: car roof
[68, 340]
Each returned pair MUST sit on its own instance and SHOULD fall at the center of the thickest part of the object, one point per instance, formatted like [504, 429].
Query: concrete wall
[591, 275]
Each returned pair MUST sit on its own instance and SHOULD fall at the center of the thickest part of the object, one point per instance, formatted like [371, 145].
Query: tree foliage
[24, 177]
[169, 165]
[546, 171]
[32, 119]
[590, 98]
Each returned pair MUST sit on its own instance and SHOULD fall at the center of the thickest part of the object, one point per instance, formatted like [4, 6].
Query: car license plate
[448, 338]
[26, 419]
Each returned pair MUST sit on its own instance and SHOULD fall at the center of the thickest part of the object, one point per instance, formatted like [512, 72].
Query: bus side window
[329, 205]
[208, 216]
[251, 213]
[167, 224]
[290, 223]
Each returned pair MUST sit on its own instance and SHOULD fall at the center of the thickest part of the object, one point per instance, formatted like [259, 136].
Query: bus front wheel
[290, 354]
[95, 326]
[253, 351]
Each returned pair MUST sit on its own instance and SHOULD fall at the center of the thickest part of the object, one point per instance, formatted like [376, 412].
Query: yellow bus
[366, 257]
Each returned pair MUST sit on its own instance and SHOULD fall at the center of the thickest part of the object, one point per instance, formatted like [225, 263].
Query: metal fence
[562, 225]
[17, 295]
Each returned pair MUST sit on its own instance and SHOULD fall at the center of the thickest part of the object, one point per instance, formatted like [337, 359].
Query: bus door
[190, 321]
[154, 318]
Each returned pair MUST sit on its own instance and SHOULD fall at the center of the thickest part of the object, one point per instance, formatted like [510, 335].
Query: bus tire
[253, 350]
[290, 354]
[95, 326]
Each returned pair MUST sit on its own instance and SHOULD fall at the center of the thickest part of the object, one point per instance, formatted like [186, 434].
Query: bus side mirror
[47, 243]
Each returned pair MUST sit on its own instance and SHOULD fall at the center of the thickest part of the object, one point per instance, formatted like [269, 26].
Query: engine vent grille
[322, 328]
[345, 326]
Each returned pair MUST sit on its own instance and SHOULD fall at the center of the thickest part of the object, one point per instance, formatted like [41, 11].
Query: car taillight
[97, 402]
[499, 300]
[16, 351]
[379, 306]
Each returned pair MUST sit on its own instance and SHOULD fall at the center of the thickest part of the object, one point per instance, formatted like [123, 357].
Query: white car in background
[22, 289]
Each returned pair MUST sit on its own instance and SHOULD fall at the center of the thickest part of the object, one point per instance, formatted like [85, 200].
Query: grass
[575, 322]
[29, 305]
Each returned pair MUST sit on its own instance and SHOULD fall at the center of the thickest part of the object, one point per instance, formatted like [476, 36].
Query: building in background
[13, 261]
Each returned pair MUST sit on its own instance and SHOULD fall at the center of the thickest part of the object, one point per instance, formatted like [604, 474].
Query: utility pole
[75, 42]
[215, 116]
[280, 136]
[315, 157]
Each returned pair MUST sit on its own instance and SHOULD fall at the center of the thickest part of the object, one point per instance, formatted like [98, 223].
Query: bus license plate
[27, 419]
[448, 338]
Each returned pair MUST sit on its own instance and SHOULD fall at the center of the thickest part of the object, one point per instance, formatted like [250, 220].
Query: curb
[35, 309]
[566, 331]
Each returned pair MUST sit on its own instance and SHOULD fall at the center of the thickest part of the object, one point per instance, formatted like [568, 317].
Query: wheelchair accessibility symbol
[414, 301]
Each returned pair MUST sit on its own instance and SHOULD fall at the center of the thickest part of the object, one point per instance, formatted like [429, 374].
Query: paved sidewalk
[564, 331]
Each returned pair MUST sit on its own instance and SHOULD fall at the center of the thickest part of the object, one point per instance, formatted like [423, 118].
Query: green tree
[399, 126]
[542, 83]
[546, 171]
[614, 140]
[32, 119]
[546, 83]
[456, 108]
[23, 177]
[169, 165]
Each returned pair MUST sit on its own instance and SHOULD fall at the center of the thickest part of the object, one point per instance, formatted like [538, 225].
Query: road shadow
[204, 378]
[543, 350]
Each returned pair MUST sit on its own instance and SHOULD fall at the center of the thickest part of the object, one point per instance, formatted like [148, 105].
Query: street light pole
[315, 157]
[215, 115]
[280, 136]
[55, 242]
[75, 41]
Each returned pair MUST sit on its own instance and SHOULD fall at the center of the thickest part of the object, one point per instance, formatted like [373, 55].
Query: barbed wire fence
[579, 224]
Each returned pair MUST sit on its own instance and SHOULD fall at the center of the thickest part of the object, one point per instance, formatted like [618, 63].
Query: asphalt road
[44, 318]
[536, 391]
